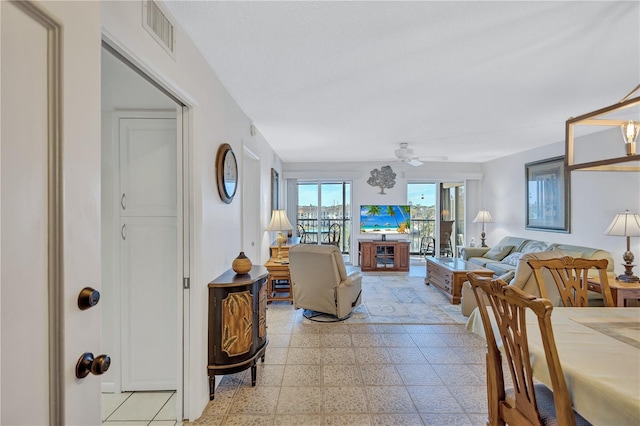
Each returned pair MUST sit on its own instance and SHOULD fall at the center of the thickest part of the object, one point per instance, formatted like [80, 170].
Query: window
[324, 206]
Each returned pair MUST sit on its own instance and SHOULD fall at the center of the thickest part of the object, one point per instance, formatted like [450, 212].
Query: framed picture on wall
[275, 179]
[547, 195]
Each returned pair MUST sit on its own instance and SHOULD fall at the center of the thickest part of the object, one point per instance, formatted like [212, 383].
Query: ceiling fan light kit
[405, 154]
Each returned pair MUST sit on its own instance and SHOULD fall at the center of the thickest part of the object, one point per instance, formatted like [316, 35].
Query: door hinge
[185, 283]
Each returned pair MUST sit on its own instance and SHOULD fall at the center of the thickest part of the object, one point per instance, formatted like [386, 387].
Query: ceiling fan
[405, 154]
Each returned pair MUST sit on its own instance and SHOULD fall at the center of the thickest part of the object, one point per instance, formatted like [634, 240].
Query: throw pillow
[513, 258]
[498, 252]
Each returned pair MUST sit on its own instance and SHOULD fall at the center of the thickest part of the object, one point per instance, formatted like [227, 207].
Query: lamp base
[482, 238]
[628, 276]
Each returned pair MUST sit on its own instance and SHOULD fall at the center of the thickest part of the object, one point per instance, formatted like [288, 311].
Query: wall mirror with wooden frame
[226, 173]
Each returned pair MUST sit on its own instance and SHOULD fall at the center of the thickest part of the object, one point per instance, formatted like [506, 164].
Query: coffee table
[448, 274]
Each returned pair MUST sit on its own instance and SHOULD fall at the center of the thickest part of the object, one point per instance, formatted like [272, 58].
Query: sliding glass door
[324, 213]
[437, 217]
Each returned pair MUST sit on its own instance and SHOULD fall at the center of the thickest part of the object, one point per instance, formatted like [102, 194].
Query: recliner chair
[320, 281]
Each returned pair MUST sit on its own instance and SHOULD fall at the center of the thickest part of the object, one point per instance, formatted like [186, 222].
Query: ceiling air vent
[158, 25]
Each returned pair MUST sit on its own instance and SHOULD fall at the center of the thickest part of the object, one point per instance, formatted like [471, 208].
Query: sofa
[508, 260]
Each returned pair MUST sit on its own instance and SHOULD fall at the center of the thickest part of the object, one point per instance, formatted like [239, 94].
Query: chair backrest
[302, 233]
[508, 307]
[427, 246]
[571, 275]
[316, 271]
[446, 229]
[333, 236]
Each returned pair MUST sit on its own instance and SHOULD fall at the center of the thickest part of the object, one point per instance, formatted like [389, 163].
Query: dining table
[599, 351]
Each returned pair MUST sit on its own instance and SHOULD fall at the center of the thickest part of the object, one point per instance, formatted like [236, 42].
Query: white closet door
[149, 253]
[149, 312]
[148, 167]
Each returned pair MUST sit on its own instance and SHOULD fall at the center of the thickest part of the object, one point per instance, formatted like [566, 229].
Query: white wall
[215, 118]
[596, 196]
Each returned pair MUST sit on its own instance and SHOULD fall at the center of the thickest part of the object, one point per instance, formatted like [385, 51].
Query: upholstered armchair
[320, 280]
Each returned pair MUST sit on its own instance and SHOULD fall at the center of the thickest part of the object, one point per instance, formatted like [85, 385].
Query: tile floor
[139, 408]
[348, 373]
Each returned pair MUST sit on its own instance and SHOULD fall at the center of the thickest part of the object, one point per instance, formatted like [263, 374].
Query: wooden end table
[448, 274]
[279, 274]
[620, 291]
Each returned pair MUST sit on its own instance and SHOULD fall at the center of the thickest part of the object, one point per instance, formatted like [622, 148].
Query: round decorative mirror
[226, 173]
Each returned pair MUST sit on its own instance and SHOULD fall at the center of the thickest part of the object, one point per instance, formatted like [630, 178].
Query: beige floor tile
[300, 400]
[341, 375]
[396, 420]
[302, 375]
[344, 399]
[434, 399]
[347, 420]
[298, 420]
[418, 374]
[338, 356]
[255, 400]
[382, 375]
[389, 399]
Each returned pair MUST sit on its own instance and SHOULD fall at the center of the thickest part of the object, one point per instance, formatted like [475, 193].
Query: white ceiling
[470, 81]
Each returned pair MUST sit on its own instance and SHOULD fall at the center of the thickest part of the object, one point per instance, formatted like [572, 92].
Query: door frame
[187, 260]
[250, 207]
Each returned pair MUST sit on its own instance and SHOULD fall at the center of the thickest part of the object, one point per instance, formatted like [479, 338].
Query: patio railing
[418, 229]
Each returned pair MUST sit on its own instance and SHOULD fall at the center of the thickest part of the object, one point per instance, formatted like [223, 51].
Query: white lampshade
[279, 221]
[625, 225]
[483, 217]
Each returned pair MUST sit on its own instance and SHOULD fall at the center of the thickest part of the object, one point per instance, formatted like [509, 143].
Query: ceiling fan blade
[414, 162]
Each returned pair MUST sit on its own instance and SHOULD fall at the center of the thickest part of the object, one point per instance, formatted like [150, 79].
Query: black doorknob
[88, 364]
[88, 297]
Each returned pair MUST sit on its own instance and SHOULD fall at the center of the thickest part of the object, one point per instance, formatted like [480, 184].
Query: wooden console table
[448, 274]
[237, 323]
[379, 255]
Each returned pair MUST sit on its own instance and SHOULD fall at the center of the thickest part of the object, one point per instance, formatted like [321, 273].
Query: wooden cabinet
[378, 255]
[237, 329]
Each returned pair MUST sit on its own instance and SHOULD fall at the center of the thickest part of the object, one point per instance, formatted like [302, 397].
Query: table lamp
[626, 225]
[279, 222]
[483, 217]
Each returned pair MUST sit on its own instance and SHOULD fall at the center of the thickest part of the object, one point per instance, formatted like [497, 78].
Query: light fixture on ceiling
[405, 154]
[607, 116]
[626, 225]
[630, 131]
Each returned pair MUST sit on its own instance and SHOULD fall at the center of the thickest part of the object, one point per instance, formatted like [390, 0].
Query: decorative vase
[241, 264]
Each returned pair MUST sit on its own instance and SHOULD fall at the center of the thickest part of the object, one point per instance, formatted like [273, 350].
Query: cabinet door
[366, 256]
[402, 255]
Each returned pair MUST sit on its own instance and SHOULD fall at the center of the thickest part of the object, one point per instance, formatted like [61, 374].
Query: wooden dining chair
[302, 233]
[333, 236]
[570, 276]
[527, 403]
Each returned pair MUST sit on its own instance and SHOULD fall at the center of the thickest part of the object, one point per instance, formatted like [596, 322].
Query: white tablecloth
[602, 372]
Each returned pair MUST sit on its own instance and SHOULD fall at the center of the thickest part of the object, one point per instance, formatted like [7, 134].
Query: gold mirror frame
[595, 119]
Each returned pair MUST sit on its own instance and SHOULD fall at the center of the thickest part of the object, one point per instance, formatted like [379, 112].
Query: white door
[149, 252]
[45, 251]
